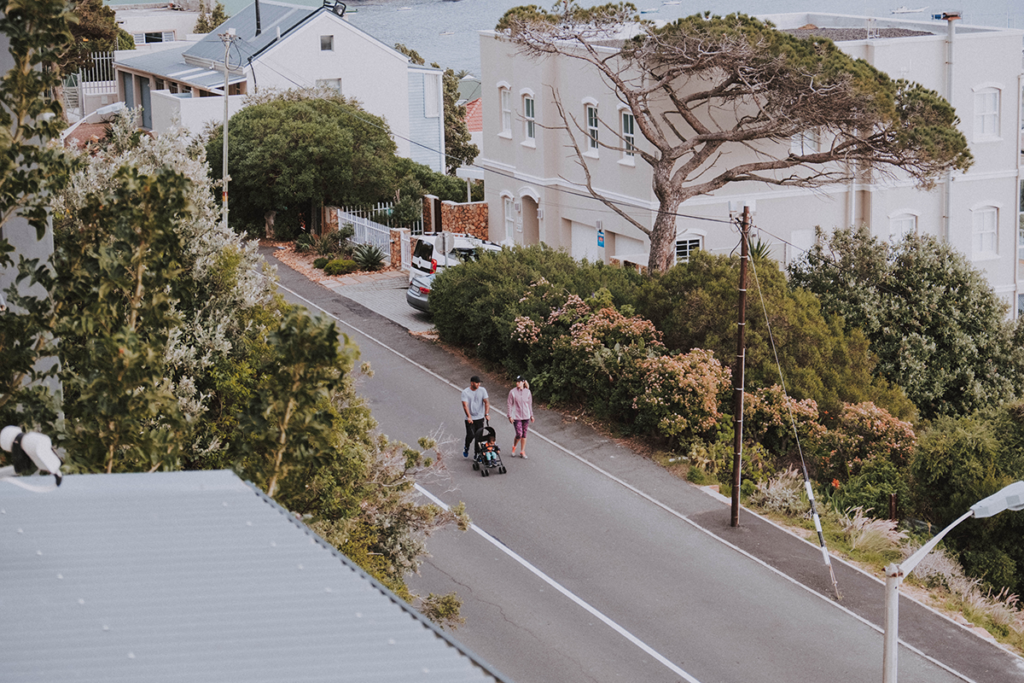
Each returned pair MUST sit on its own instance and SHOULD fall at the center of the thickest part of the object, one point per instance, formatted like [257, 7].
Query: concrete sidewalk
[382, 293]
[959, 647]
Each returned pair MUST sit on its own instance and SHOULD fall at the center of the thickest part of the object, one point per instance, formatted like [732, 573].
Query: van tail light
[424, 290]
[433, 265]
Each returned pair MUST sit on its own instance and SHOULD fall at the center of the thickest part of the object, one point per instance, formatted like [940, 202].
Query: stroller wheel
[476, 465]
[502, 470]
[483, 472]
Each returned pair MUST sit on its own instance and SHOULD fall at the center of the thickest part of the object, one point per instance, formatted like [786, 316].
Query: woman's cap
[520, 378]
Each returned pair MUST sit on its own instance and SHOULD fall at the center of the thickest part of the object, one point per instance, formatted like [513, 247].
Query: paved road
[588, 563]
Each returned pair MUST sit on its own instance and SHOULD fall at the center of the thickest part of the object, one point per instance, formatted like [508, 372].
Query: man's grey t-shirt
[475, 401]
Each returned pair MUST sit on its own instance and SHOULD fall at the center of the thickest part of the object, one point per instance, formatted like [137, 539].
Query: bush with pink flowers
[681, 396]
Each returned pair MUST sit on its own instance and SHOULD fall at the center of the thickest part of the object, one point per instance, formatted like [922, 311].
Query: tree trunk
[663, 243]
[268, 218]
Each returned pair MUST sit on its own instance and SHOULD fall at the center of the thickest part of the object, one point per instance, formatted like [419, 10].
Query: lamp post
[227, 39]
[1008, 498]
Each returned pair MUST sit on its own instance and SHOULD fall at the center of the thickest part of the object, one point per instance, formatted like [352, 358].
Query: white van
[429, 257]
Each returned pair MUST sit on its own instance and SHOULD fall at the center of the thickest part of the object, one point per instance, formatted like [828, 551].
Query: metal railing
[97, 79]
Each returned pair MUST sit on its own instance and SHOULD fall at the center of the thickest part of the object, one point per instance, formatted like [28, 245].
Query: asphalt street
[588, 562]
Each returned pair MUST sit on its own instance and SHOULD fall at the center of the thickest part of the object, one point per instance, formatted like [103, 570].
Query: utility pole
[737, 373]
[227, 38]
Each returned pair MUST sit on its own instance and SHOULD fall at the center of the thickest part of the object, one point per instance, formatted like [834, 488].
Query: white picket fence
[369, 231]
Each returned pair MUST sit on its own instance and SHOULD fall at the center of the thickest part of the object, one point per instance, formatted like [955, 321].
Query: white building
[279, 46]
[533, 181]
[153, 23]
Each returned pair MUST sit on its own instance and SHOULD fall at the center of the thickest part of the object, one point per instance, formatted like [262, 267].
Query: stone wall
[428, 214]
[470, 219]
[395, 244]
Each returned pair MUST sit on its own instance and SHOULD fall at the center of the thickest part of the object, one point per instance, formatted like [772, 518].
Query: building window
[900, 226]
[326, 43]
[431, 95]
[328, 84]
[685, 249]
[173, 87]
[1020, 242]
[592, 127]
[628, 134]
[510, 218]
[530, 116]
[985, 222]
[153, 37]
[506, 112]
[805, 142]
[159, 84]
[986, 113]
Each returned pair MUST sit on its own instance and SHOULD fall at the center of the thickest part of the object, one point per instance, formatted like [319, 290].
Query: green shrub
[321, 262]
[992, 566]
[959, 461]
[697, 476]
[872, 487]
[478, 303]
[340, 267]
[368, 256]
[304, 242]
[694, 305]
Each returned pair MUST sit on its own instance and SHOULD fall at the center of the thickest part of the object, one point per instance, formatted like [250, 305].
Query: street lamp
[1009, 498]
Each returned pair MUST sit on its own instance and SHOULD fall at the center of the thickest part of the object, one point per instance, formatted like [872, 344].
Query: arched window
[685, 248]
[900, 226]
[505, 100]
[529, 118]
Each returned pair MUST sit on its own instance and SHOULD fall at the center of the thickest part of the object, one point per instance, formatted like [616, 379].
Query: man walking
[477, 406]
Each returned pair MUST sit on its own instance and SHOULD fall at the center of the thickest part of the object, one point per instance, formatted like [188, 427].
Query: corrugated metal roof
[196, 576]
[273, 15]
[170, 64]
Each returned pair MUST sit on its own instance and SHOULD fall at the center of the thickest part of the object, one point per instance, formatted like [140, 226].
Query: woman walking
[520, 413]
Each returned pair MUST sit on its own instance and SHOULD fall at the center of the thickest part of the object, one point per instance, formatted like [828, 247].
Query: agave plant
[368, 257]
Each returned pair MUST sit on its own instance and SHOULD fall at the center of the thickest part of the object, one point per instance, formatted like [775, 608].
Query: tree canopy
[936, 327]
[290, 154]
[94, 28]
[707, 91]
[210, 18]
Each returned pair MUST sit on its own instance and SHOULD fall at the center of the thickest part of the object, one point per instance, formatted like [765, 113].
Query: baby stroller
[480, 460]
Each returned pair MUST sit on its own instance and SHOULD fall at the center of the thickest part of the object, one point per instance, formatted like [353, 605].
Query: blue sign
[600, 238]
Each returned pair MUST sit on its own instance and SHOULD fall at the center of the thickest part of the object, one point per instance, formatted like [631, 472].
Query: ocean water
[446, 31]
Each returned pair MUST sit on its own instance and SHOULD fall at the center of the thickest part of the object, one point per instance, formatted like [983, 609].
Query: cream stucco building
[533, 179]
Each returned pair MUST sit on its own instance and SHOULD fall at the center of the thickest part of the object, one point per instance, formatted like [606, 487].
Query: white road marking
[569, 594]
[638, 492]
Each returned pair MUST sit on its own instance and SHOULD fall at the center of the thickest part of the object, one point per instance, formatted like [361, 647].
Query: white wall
[157, 21]
[369, 70]
[190, 113]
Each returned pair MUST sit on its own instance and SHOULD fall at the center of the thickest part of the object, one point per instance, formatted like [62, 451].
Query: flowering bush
[680, 394]
[863, 433]
[768, 417]
[594, 362]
